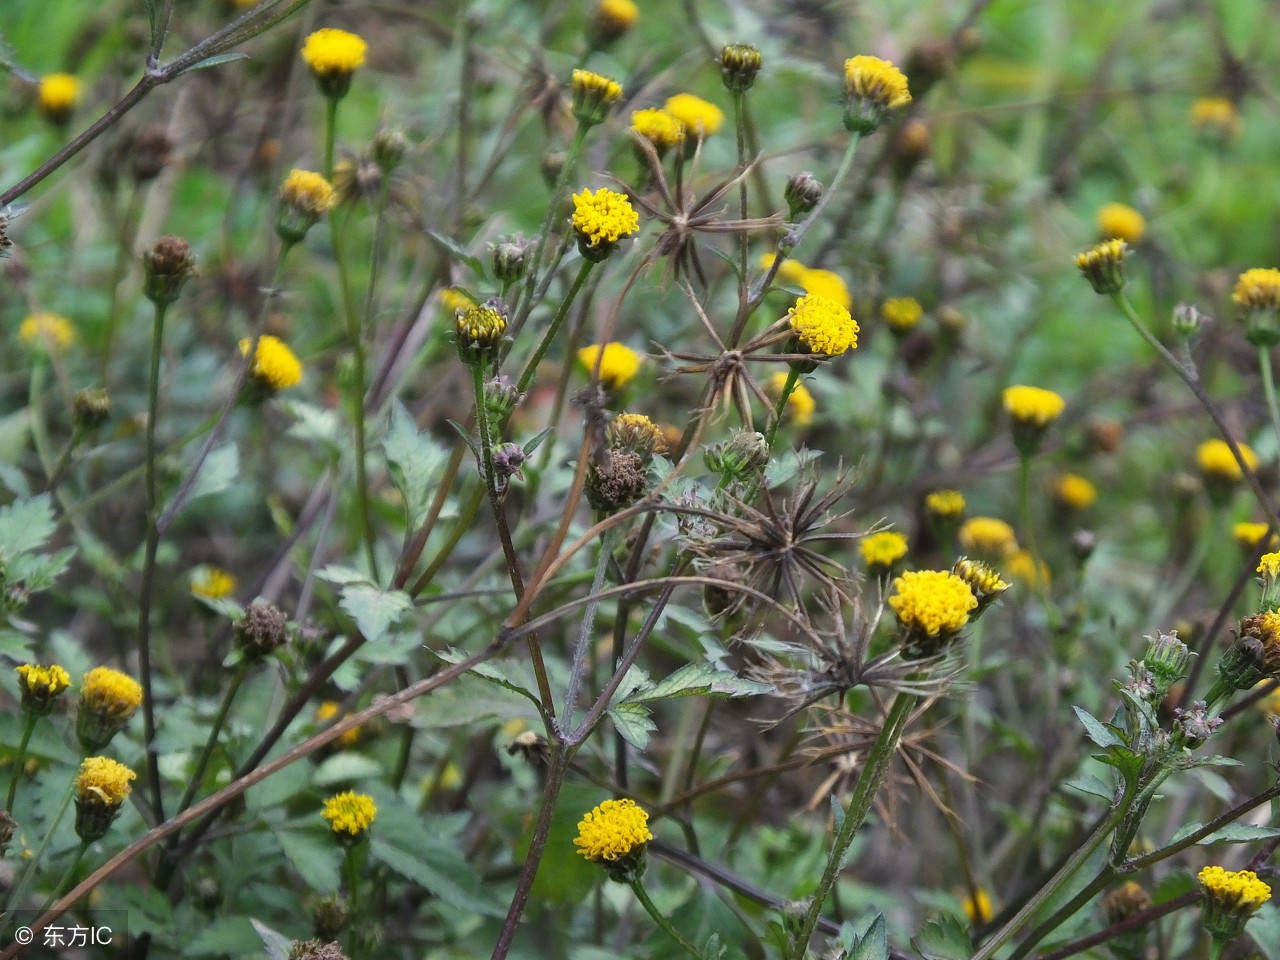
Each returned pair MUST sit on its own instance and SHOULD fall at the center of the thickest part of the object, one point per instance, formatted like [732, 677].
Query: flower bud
[389, 148]
[480, 329]
[149, 153]
[739, 64]
[802, 193]
[1187, 320]
[509, 256]
[90, 408]
[168, 265]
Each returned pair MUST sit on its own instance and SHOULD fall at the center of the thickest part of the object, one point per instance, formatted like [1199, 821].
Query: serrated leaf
[374, 610]
[24, 526]
[217, 473]
[698, 679]
[276, 944]
[943, 939]
[872, 945]
[335, 573]
[633, 723]
[499, 672]
[313, 423]
[1098, 731]
[39, 571]
[1241, 833]
[449, 887]
[414, 461]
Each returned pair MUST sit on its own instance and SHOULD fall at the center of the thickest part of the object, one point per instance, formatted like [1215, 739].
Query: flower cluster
[46, 331]
[932, 606]
[822, 326]
[1216, 119]
[880, 551]
[988, 536]
[660, 127]
[108, 700]
[350, 815]
[612, 831]
[600, 220]
[1103, 266]
[902, 314]
[212, 583]
[1217, 462]
[1231, 897]
[593, 96]
[333, 56]
[101, 788]
[41, 686]
[57, 95]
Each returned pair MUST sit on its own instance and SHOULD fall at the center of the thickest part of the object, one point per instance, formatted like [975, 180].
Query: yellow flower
[47, 331]
[1216, 461]
[935, 603]
[307, 192]
[455, 300]
[871, 88]
[1258, 289]
[800, 404]
[618, 365]
[659, 127]
[988, 536]
[945, 504]
[1022, 566]
[823, 326]
[104, 780]
[902, 313]
[1248, 535]
[977, 907]
[1231, 897]
[983, 580]
[593, 96]
[882, 550]
[610, 20]
[57, 96]
[110, 696]
[1269, 564]
[480, 329]
[333, 56]
[636, 433]
[1269, 705]
[350, 814]
[601, 219]
[700, 118]
[41, 686]
[1103, 266]
[1216, 118]
[791, 271]
[274, 364]
[822, 283]
[1033, 406]
[1073, 492]
[1119, 222]
[613, 830]
[212, 583]
[326, 712]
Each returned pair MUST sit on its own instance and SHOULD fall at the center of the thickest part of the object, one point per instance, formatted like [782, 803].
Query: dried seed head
[263, 629]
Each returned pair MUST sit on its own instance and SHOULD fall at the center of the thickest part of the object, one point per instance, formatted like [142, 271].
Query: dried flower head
[167, 265]
[275, 366]
[262, 630]
[700, 118]
[618, 363]
[1116, 221]
[41, 686]
[902, 314]
[90, 407]
[593, 96]
[333, 56]
[47, 332]
[350, 815]
[600, 220]
[872, 87]
[56, 97]
[1103, 266]
[821, 326]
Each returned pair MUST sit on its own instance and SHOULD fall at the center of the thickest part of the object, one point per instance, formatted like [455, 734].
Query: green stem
[330, 134]
[531, 368]
[197, 775]
[124, 251]
[149, 563]
[642, 895]
[20, 891]
[35, 413]
[64, 461]
[27, 730]
[1065, 912]
[67, 874]
[873, 773]
[1269, 388]
[793, 377]
[588, 624]
[1038, 567]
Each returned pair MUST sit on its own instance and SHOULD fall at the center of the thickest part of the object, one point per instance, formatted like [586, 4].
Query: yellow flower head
[1033, 406]
[480, 329]
[636, 433]
[1269, 564]
[105, 781]
[611, 20]
[1103, 266]
[1231, 897]
[1258, 289]
[274, 365]
[327, 711]
[1248, 535]
[1021, 565]
[47, 331]
[660, 127]
[800, 404]
[212, 583]
[613, 830]
[871, 88]
[593, 96]
[988, 536]
[935, 603]
[882, 550]
[618, 365]
[1216, 118]
[902, 313]
[700, 118]
[333, 56]
[57, 95]
[350, 814]
[978, 907]
[823, 326]
[822, 283]
[1269, 705]
[1216, 461]
[791, 271]
[110, 695]
[1119, 222]
[307, 192]
[454, 300]
[602, 218]
[41, 685]
[983, 580]
[1073, 492]
[945, 504]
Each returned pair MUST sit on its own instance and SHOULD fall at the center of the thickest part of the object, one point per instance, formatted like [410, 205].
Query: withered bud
[207, 893]
[149, 153]
[802, 193]
[263, 629]
[315, 950]
[912, 145]
[168, 265]
[389, 148]
[636, 433]
[330, 916]
[1187, 320]
[927, 62]
[550, 165]
[1124, 902]
[8, 827]
[509, 255]
[1104, 435]
[616, 480]
[90, 408]
[501, 397]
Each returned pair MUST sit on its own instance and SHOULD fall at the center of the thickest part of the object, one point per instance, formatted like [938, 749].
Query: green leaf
[374, 610]
[313, 424]
[943, 939]
[458, 252]
[15, 646]
[507, 674]
[414, 461]
[1099, 732]
[445, 885]
[217, 473]
[1091, 786]
[24, 526]
[1241, 833]
[346, 767]
[224, 937]
[701, 679]
[315, 856]
[277, 944]
[633, 722]
[872, 945]
[215, 61]
[39, 571]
